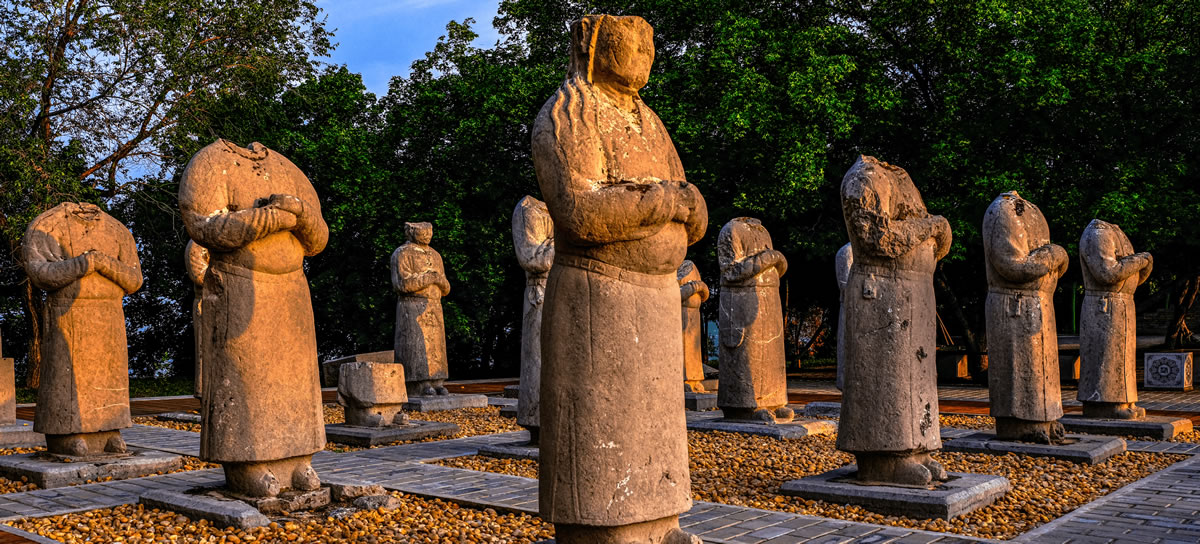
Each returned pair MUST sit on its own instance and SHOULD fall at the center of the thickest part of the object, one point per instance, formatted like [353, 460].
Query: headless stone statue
[1023, 268]
[196, 260]
[419, 280]
[87, 262]
[1108, 322]
[259, 217]
[692, 293]
[533, 239]
[889, 402]
[753, 368]
[842, 262]
[614, 459]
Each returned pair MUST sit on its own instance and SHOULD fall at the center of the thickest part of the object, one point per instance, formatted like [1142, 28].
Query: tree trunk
[34, 305]
[1177, 332]
[975, 364]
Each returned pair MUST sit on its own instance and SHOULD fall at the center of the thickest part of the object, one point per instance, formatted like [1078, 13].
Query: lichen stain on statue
[1108, 322]
[623, 216]
[533, 241]
[889, 403]
[419, 279]
[753, 368]
[86, 261]
[258, 216]
[1022, 269]
[692, 293]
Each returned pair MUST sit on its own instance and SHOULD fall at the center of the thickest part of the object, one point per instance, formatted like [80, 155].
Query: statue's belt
[615, 272]
[1109, 294]
[889, 272]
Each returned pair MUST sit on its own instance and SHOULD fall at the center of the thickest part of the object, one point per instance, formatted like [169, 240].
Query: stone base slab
[512, 391]
[437, 403]
[180, 417]
[20, 435]
[823, 409]
[48, 473]
[699, 402]
[287, 501]
[508, 410]
[1155, 427]
[222, 511]
[798, 428]
[1090, 450]
[964, 493]
[374, 436]
[510, 450]
[501, 401]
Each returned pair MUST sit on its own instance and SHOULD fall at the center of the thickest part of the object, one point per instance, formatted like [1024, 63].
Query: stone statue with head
[419, 280]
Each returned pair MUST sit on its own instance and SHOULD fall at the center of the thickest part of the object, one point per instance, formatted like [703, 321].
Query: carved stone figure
[842, 262]
[614, 459]
[196, 259]
[692, 293]
[87, 262]
[753, 368]
[1108, 322]
[889, 404]
[259, 217]
[533, 238]
[1022, 268]
[420, 283]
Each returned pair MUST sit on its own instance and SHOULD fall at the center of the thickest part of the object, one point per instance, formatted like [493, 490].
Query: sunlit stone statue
[87, 262]
[259, 217]
[419, 280]
[614, 455]
[533, 239]
[889, 402]
[1108, 322]
[196, 261]
[842, 262]
[1022, 268]
[692, 293]
[753, 369]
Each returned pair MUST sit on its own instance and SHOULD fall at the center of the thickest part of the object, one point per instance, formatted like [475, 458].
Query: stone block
[375, 502]
[510, 450]
[8, 392]
[1090, 450]
[1068, 367]
[331, 369]
[699, 402]
[365, 384]
[220, 510]
[346, 489]
[1154, 427]
[20, 435]
[823, 409]
[292, 500]
[964, 493]
[798, 428]
[342, 433]
[1172, 370]
[50, 473]
[437, 403]
[512, 391]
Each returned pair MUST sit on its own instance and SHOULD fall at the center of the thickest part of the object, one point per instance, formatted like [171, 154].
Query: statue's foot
[305, 478]
[679, 536]
[115, 444]
[400, 419]
[936, 471]
[75, 446]
[258, 481]
[1113, 410]
[1037, 432]
[428, 390]
[764, 414]
[694, 387]
[783, 414]
[914, 469]
[442, 390]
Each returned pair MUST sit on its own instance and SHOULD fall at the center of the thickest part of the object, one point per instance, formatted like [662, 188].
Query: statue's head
[613, 52]
[419, 233]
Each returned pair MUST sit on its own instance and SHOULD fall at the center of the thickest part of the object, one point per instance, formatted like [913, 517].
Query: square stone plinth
[510, 450]
[798, 428]
[699, 402]
[1090, 450]
[20, 435]
[1170, 370]
[49, 473]
[823, 409]
[437, 403]
[1156, 427]
[374, 436]
[964, 493]
[222, 511]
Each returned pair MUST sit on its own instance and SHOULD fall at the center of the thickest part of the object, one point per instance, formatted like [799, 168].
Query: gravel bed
[177, 425]
[470, 421]
[747, 470]
[964, 421]
[415, 520]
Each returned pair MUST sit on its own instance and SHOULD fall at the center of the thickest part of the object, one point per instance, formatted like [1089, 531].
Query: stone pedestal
[797, 428]
[229, 510]
[1154, 427]
[510, 450]
[823, 409]
[699, 402]
[353, 435]
[961, 494]
[1171, 370]
[1089, 450]
[437, 403]
[49, 471]
[372, 394]
[20, 435]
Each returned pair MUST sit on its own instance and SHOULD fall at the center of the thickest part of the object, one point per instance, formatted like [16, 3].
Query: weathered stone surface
[20, 434]
[259, 217]
[87, 262]
[345, 489]
[377, 501]
[699, 402]
[889, 404]
[222, 511]
[331, 369]
[753, 368]
[533, 239]
[438, 403]
[196, 258]
[959, 494]
[292, 500]
[1108, 322]
[1153, 427]
[414, 429]
[842, 263]
[510, 450]
[692, 293]
[823, 409]
[8, 391]
[182, 417]
[372, 394]
[419, 280]
[49, 471]
[1022, 269]
[1077, 448]
[1167, 371]
[791, 430]
[624, 215]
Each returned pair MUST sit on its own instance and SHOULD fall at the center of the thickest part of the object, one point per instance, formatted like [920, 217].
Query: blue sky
[381, 38]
